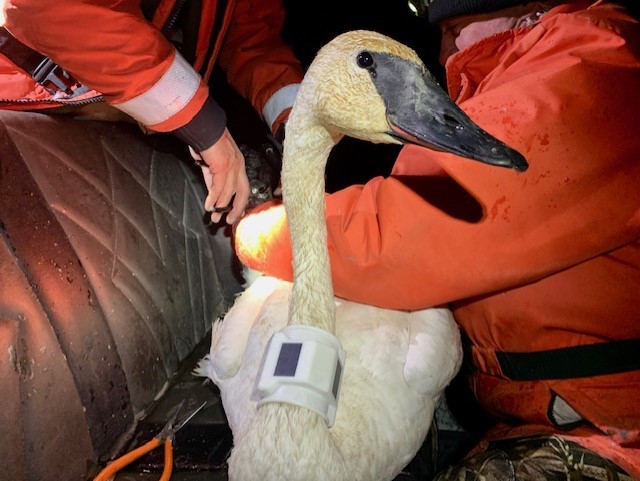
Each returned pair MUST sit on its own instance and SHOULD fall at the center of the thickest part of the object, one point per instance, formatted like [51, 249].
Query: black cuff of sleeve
[206, 127]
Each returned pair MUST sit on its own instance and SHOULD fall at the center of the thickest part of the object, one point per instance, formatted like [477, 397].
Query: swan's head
[368, 86]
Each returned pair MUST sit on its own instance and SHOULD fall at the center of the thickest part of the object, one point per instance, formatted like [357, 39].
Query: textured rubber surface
[108, 279]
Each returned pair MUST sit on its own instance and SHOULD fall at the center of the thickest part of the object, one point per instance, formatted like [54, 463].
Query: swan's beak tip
[518, 162]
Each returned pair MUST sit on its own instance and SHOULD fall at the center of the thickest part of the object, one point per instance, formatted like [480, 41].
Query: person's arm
[258, 63]
[403, 242]
[109, 46]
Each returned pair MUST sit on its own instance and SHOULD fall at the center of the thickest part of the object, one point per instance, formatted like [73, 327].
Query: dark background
[308, 31]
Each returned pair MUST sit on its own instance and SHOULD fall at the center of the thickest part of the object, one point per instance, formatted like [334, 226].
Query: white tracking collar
[302, 365]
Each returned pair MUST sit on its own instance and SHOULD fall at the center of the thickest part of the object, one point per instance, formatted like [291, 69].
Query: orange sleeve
[106, 44]
[421, 238]
[254, 56]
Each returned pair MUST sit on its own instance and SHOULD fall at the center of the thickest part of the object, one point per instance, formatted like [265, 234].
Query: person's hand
[225, 175]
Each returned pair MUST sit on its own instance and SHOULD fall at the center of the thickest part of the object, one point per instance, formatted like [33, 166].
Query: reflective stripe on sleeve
[282, 99]
[167, 97]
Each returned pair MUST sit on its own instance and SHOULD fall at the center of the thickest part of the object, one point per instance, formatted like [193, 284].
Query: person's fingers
[209, 202]
[225, 176]
[215, 202]
[227, 187]
[241, 199]
[221, 161]
[220, 191]
[220, 182]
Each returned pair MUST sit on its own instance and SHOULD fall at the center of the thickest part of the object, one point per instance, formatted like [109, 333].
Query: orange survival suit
[110, 46]
[541, 269]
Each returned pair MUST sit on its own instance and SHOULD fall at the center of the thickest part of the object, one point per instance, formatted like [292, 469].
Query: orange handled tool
[164, 437]
[113, 467]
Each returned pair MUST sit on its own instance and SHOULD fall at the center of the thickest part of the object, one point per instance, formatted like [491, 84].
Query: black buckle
[53, 77]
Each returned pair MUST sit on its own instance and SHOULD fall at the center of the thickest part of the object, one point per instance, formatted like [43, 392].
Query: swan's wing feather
[434, 354]
[229, 335]
[377, 335]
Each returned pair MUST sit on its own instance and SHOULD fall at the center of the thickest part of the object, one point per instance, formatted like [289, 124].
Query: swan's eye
[365, 60]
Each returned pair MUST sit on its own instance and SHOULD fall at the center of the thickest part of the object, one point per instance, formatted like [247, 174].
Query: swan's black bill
[419, 111]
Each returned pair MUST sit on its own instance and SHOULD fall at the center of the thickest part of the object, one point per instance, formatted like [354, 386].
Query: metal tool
[164, 437]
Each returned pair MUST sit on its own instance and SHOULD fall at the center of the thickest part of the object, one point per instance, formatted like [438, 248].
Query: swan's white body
[398, 363]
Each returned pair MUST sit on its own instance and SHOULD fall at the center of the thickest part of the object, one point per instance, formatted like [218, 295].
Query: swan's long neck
[306, 151]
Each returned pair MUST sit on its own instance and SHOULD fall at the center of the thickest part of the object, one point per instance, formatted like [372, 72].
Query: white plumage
[398, 363]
